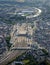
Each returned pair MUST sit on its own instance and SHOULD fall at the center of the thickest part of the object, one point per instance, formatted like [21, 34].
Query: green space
[8, 42]
[45, 51]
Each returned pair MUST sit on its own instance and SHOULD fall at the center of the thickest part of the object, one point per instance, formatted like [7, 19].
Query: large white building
[22, 33]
